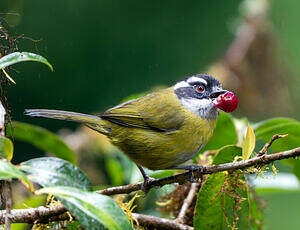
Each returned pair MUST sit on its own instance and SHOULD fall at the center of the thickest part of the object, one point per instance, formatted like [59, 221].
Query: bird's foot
[147, 180]
[191, 169]
[146, 184]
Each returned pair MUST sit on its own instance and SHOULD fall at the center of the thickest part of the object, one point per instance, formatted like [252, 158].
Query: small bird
[160, 130]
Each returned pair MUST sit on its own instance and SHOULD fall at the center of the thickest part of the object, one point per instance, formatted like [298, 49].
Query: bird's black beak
[217, 93]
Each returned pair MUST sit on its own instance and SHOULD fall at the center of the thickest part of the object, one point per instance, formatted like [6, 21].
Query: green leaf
[265, 130]
[268, 128]
[6, 148]
[214, 205]
[256, 214]
[156, 174]
[208, 210]
[16, 57]
[51, 171]
[92, 210]
[249, 144]
[19, 226]
[9, 171]
[43, 139]
[115, 171]
[30, 201]
[224, 134]
[227, 154]
[296, 167]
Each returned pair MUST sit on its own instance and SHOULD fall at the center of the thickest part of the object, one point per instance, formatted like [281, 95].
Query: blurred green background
[105, 50]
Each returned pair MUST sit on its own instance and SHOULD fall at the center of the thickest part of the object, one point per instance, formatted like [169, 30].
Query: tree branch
[56, 213]
[268, 144]
[187, 202]
[181, 178]
[8, 203]
[33, 215]
[159, 223]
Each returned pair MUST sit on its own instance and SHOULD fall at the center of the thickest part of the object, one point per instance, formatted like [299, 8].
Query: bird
[162, 129]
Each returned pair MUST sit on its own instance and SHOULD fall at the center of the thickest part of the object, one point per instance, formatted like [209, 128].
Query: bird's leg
[191, 169]
[147, 180]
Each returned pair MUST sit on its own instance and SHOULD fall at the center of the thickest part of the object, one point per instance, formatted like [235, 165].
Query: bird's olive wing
[157, 111]
[125, 114]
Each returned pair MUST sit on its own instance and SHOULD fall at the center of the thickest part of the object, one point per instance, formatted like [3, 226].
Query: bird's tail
[91, 121]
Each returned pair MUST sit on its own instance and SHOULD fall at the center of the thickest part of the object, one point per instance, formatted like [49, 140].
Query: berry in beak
[225, 101]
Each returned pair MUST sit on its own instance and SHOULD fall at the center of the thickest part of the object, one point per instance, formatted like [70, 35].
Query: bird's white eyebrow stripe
[181, 84]
[192, 80]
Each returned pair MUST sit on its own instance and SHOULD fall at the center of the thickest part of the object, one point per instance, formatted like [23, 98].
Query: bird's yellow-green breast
[156, 131]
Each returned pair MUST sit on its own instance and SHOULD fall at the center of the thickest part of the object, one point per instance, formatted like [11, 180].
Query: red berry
[226, 102]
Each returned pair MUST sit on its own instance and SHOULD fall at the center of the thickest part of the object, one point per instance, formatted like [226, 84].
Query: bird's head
[203, 95]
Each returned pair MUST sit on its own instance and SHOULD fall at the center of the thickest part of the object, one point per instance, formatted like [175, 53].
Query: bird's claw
[146, 184]
[193, 168]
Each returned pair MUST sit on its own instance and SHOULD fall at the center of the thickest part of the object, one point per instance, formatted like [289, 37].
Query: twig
[181, 178]
[187, 202]
[8, 202]
[268, 144]
[159, 223]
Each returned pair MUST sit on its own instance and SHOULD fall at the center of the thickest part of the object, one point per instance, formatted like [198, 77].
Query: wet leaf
[8, 171]
[51, 171]
[6, 148]
[92, 210]
[249, 143]
[16, 57]
[41, 138]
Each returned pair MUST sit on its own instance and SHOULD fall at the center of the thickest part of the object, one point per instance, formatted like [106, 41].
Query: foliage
[8, 171]
[50, 171]
[94, 211]
[249, 144]
[6, 148]
[225, 199]
[17, 57]
[266, 129]
[41, 138]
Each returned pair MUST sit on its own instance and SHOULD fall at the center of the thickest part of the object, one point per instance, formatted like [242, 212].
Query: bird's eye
[200, 88]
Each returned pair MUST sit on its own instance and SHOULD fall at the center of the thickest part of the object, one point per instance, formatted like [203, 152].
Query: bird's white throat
[203, 107]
